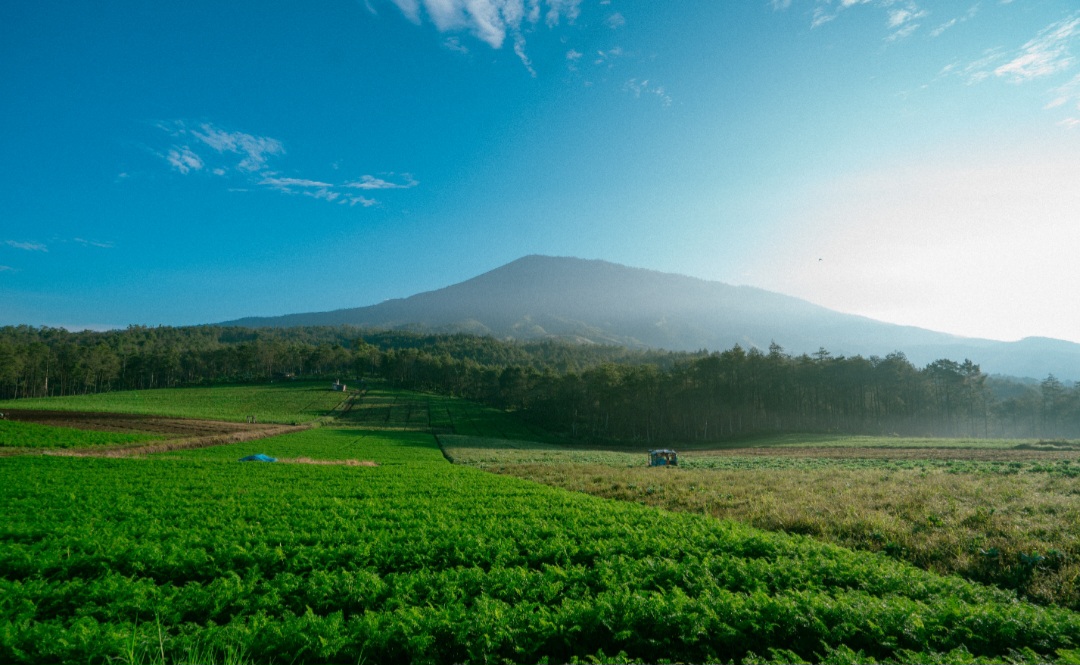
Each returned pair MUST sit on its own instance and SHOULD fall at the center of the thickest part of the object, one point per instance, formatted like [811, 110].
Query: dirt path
[177, 433]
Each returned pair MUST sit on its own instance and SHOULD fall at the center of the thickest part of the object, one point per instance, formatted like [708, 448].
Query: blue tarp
[258, 458]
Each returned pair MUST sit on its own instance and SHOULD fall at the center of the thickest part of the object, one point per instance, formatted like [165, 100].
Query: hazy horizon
[914, 162]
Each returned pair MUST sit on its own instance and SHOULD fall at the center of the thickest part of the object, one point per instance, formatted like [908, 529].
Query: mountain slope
[596, 301]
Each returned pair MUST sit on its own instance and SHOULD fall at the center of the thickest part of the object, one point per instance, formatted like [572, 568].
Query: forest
[586, 392]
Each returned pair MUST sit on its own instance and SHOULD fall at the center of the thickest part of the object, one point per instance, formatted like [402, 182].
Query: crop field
[190, 556]
[14, 434]
[290, 402]
[422, 561]
[993, 514]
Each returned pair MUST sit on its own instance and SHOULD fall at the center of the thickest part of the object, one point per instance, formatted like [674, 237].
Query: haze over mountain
[593, 301]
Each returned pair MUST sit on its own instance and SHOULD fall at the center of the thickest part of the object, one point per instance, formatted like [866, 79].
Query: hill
[592, 301]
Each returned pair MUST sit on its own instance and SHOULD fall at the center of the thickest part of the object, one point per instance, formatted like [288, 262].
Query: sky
[917, 162]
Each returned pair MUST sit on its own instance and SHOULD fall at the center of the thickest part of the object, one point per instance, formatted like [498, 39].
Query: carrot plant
[418, 560]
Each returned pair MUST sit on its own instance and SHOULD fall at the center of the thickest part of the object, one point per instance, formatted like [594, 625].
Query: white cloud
[615, 21]
[28, 246]
[638, 88]
[454, 44]
[183, 159]
[106, 244]
[410, 8]
[243, 159]
[971, 12]
[371, 182]
[604, 56]
[491, 21]
[254, 150]
[6, 269]
[287, 183]
[1047, 54]
[359, 200]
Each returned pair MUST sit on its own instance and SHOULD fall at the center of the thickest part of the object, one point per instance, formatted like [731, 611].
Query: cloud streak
[1045, 55]
[491, 21]
[100, 244]
[27, 246]
[246, 161]
[645, 87]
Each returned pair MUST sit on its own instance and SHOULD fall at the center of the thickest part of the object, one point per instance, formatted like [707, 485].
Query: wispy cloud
[491, 21]
[253, 150]
[615, 21]
[287, 183]
[1047, 54]
[645, 87]
[232, 151]
[454, 44]
[610, 54]
[244, 160]
[28, 246]
[904, 21]
[371, 182]
[6, 269]
[100, 244]
[970, 14]
[183, 159]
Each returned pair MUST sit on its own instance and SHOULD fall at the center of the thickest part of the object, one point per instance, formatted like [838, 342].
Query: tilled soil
[133, 423]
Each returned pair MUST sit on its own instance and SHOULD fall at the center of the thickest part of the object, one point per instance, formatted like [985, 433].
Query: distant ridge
[593, 301]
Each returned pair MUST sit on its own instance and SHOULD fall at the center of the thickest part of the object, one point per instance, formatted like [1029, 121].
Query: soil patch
[133, 423]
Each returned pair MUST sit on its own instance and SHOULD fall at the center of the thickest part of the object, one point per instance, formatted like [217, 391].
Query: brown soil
[187, 443]
[133, 423]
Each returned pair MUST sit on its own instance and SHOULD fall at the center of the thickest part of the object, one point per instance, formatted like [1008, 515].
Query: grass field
[421, 561]
[15, 434]
[289, 402]
[1014, 522]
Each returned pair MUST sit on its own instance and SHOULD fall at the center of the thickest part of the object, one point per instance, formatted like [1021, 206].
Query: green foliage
[1014, 523]
[421, 561]
[14, 434]
[284, 402]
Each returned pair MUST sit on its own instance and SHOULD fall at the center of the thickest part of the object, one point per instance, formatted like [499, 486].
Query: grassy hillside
[272, 403]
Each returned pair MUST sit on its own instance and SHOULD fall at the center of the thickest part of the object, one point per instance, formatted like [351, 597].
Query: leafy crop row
[274, 403]
[1014, 524]
[421, 561]
[14, 434]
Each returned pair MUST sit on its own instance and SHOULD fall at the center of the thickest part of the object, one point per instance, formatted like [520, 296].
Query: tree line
[585, 391]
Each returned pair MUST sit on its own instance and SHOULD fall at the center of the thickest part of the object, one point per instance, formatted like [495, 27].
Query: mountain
[591, 301]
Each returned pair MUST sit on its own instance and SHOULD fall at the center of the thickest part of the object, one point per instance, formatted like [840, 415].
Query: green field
[15, 434]
[193, 557]
[289, 402]
[1012, 523]
[421, 561]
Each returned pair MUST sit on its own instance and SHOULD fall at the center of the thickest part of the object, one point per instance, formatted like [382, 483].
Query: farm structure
[338, 386]
[663, 457]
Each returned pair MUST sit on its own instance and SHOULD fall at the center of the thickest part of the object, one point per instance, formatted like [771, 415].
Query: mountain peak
[538, 296]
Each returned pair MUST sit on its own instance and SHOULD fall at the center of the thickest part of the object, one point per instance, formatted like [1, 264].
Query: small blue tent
[258, 458]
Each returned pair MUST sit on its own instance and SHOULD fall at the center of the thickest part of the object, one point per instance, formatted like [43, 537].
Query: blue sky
[164, 163]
